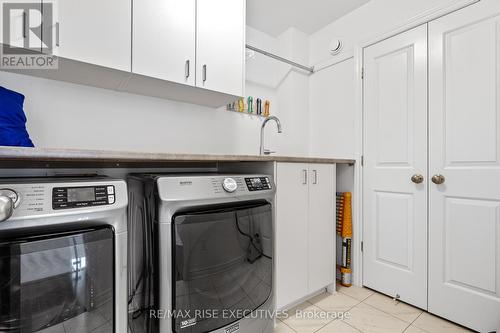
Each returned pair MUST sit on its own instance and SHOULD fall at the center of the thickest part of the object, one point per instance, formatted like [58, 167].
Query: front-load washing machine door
[58, 283]
[222, 259]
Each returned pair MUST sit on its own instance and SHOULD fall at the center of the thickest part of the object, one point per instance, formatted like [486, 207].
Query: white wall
[332, 90]
[64, 115]
[285, 87]
[332, 105]
[371, 19]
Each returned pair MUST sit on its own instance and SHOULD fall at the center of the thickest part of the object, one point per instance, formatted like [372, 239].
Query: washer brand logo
[186, 183]
[188, 323]
[232, 329]
[28, 33]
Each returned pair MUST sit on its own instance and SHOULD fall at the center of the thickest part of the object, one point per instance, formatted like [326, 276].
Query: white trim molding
[422, 18]
[341, 57]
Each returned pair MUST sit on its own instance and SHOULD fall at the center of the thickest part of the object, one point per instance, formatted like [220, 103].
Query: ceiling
[275, 16]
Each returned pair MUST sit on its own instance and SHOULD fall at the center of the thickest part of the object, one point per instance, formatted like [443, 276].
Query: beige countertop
[20, 154]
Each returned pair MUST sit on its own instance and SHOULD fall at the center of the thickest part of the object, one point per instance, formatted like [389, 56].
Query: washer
[63, 255]
[201, 258]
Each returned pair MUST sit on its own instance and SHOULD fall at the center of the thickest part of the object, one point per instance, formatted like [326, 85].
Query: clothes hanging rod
[277, 57]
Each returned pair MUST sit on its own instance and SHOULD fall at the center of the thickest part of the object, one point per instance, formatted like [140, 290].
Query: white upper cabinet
[22, 19]
[185, 50]
[94, 31]
[164, 33]
[198, 43]
[220, 46]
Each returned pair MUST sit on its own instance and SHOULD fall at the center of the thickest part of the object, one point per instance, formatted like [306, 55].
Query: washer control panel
[258, 183]
[85, 196]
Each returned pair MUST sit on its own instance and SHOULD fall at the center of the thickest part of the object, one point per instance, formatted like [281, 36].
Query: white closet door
[395, 149]
[464, 114]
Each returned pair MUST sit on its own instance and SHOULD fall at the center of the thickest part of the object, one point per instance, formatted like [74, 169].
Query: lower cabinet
[305, 230]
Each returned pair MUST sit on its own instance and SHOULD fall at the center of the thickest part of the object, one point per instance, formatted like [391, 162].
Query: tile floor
[370, 312]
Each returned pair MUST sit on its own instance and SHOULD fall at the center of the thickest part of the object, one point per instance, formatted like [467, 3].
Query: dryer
[63, 259]
[202, 253]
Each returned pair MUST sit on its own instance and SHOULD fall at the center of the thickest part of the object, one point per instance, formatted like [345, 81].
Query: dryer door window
[62, 283]
[222, 265]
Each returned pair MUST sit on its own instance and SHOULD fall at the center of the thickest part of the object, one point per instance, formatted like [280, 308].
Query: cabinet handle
[315, 172]
[25, 21]
[186, 69]
[57, 34]
[305, 177]
[204, 73]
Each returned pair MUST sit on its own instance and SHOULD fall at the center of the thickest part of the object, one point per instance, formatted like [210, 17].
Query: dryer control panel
[52, 200]
[219, 186]
[258, 183]
[86, 196]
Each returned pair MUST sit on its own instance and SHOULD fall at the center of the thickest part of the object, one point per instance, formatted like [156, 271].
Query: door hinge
[361, 246]
[362, 73]
[362, 160]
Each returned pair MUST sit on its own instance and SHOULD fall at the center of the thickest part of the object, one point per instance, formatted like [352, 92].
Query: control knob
[229, 185]
[9, 200]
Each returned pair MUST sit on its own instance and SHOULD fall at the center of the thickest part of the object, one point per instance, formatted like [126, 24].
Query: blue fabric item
[13, 120]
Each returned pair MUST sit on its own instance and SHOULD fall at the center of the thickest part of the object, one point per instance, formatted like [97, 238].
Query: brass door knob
[438, 179]
[417, 179]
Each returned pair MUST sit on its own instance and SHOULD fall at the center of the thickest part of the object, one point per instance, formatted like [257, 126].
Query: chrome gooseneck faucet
[262, 150]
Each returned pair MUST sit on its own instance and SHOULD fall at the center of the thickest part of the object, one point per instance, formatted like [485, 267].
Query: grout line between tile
[352, 307]
[409, 324]
[349, 309]
[418, 316]
[407, 327]
[371, 306]
[357, 329]
[387, 313]
[315, 305]
[373, 293]
[328, 323]
[290, 327]
[394, 315]
[357, 300]
[418, 326]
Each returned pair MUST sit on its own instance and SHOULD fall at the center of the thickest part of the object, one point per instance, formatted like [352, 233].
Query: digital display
[256, 182]
[81, 194]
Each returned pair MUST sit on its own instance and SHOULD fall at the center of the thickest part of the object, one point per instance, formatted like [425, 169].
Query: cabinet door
[291, 232]
[17, 31]
[164, 39]
[220, 45]
[395, 149]
[321, 233]
[94, 31]
[464, 127]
